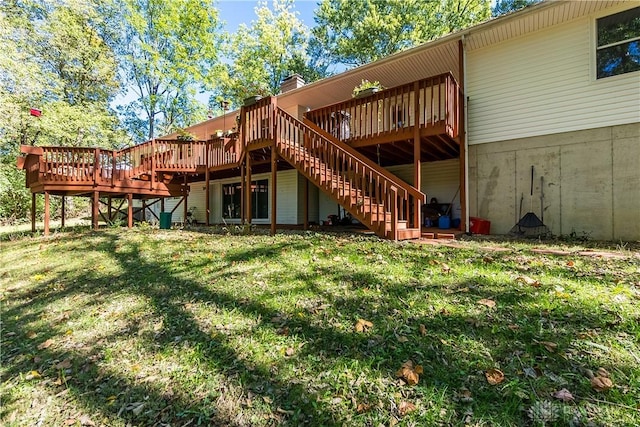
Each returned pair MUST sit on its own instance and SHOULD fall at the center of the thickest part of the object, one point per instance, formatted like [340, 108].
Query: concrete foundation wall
[591, 182]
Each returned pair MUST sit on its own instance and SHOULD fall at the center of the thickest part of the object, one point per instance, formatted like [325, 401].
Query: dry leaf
[528, 281]
[570, 264]
[601, 383]
[488, 302]
[45, 344]
[487, 259]
[550, 346]
[65, 364]
[402, 339]
[513, 327]
[363, 325]
[601, 372]
[409, 372]
[494, 376]
[289, 351]
[33, 374]
[70, 421]
[86, 421]
[363, 407]
[445, 268]
[31, 335]
[564, 395]
[423, 329]
[405, 407]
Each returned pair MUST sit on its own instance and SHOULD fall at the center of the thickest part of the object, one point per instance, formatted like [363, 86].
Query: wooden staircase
[371, 194]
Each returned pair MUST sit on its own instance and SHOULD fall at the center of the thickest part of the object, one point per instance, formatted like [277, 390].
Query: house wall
[438, 179]
[591, 182]
[534, 101]
[287, 198]
[544, 83]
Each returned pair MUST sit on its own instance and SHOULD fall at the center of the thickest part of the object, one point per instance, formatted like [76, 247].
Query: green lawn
[148, 327]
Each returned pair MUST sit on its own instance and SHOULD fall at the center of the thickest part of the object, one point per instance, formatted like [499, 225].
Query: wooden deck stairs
[371, 194]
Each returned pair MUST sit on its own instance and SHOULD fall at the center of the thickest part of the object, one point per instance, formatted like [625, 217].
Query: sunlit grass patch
[171, 327]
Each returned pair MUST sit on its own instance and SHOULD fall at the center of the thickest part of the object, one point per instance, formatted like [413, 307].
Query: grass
[151, 327]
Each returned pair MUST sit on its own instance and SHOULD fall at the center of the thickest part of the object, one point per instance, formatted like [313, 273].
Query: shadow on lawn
[292, 403]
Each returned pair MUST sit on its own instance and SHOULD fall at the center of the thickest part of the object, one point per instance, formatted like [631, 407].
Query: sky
[236, 12]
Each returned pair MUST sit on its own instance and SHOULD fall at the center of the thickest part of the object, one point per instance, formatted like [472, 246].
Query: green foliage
[263, 54]
[168, 52]
[356, 33]
[505, 6]
[364, 85]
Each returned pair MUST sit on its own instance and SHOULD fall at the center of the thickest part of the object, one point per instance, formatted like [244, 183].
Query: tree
[168, 52]
[506, 6]
[356, 33]
[265, 53]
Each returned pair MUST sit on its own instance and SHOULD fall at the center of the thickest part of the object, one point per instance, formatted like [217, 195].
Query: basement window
[618, 43]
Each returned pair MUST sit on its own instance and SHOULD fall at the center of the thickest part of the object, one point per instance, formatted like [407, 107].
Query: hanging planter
[366, 88]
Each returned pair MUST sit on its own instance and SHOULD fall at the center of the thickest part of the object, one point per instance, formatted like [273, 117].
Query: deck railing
[81, 165]
[433, 103]
[258, 121]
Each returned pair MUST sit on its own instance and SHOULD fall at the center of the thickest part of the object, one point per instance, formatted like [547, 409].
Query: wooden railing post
[153, 164]
[394, 212]
[96, 165]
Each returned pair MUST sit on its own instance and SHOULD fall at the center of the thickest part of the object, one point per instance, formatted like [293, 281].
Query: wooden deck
[342, 149]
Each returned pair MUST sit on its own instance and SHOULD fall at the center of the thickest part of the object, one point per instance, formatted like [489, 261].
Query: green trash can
[165, 220]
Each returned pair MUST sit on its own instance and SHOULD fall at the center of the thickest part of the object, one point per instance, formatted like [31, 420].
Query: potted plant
[366, 88]
[219, 133]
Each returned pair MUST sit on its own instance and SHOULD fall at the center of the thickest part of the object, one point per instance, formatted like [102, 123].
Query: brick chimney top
[292, 82]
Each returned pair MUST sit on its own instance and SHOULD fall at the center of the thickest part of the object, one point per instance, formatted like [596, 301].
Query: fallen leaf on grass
[494, 376]
[445, 268]
[601, 372]
[402, 339]
[423, 329]
[363, 407]
[405, 407]
[528, 281]
[65, 364]
[564, 395]
[31, 335]
[45, 344]
[289, 352]
[410, 372]
[363, 325]
[488, 302]
[32, 375]
[86, 421]
[550, 346]
[601, 384]
[70, 421]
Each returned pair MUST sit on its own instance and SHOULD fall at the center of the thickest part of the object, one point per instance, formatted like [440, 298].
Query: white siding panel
[287, 197]
[543, 83]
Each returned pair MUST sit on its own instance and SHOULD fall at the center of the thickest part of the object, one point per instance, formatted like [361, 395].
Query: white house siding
[313, 201]
[287, 197]
[544, 83]
[438, 179]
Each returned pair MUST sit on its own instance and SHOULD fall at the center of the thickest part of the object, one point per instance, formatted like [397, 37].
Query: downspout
[466, 138]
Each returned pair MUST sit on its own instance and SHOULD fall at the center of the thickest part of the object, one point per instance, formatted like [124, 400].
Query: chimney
[292, 82]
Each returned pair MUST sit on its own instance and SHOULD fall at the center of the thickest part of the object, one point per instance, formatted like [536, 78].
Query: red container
[479, 225]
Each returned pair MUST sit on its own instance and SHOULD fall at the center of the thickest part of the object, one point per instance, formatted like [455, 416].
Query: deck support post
[143, 216]
[109, 209]
[185, 208]
[417, 153]
[33, 212]
[306, 204]
[274, 195]
[247, 207]
[129, 210]
[62, 210]
[162, 204]
[46, 213]
[95, 209]
[243, 192]
[207, 197]
[464, 225]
